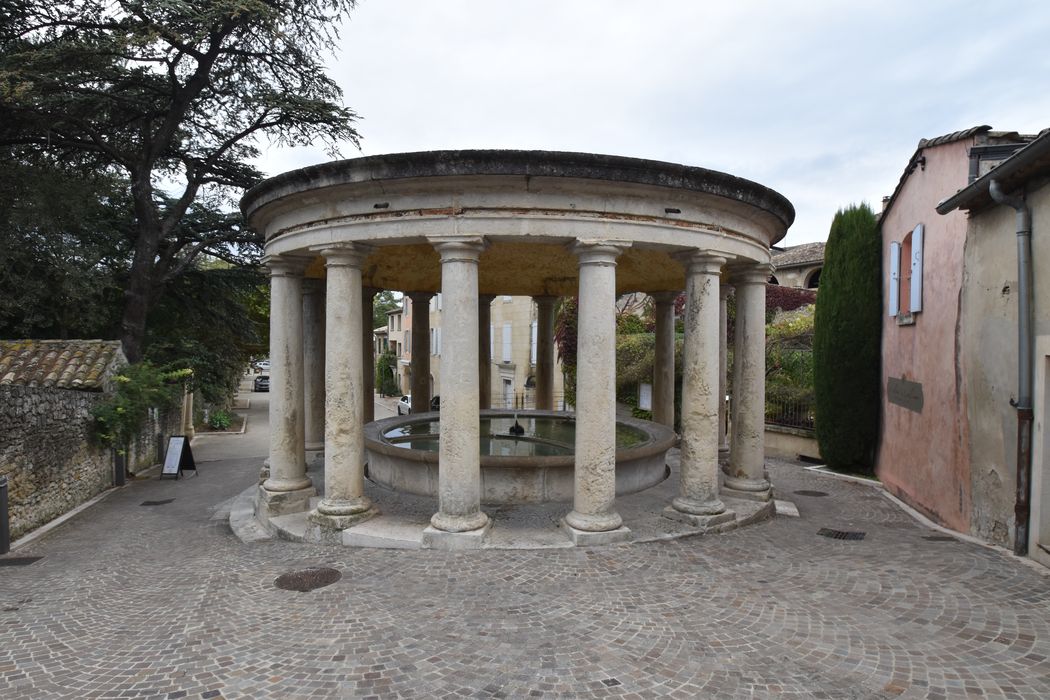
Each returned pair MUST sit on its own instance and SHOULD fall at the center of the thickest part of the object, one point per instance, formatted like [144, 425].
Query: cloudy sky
[822, 101]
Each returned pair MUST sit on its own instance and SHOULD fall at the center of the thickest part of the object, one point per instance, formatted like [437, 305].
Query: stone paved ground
[162, 601]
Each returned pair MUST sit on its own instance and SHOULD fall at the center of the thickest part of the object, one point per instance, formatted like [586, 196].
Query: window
[492, 341]
[905, 293]
[506, 342]
[507, 298]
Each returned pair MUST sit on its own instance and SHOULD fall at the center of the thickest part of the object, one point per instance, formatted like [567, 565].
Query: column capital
[313, 285]
[459, 249]
[598, 251]
[343, 254]
[750, 274]
[420, 297]
[286, 265]
[702, 263]
[545, 300]
[664, 297]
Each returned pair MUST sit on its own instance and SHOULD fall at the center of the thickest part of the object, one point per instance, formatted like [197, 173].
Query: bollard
[5, 526]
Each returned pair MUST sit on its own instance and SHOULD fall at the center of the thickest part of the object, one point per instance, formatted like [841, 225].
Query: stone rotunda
[475, 224]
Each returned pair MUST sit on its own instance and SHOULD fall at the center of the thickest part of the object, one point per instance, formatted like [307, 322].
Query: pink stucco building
[949, 340]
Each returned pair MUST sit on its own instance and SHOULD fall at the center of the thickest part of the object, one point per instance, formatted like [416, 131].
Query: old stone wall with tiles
[49, 457]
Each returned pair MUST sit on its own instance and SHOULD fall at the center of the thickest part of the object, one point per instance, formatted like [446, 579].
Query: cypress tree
[846, 342]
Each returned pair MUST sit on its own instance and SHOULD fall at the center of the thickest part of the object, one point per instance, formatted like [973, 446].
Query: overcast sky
[822, 101]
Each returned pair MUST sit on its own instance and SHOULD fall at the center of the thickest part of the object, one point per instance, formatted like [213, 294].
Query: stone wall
[47, 452]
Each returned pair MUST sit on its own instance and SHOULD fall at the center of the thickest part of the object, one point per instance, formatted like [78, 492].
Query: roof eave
[975, 195]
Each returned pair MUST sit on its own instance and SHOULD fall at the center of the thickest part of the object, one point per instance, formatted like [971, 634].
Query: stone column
[459, 458]
[287, 489]
[369, 356]
[697, 500]
[723, 365]
[484, 350]
[595, 474]
[545, 352]
[421, 351]
[747, 473]
[344, 502]
[313, 362]
[663, 372]
[187, 414]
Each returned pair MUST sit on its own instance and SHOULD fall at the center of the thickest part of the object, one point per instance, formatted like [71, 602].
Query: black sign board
[179, 458]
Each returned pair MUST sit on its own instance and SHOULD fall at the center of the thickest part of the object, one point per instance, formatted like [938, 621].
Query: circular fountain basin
[534, 467]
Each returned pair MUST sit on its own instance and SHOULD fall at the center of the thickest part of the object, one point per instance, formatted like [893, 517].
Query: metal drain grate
[939, 538]
[19, 561]
[157, 503]
[307, 579]
[815, 494]
[840, 534]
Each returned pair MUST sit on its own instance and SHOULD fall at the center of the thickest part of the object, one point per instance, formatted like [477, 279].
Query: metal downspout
[1023, 404]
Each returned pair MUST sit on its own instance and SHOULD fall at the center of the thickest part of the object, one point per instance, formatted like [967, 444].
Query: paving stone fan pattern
[165, 603]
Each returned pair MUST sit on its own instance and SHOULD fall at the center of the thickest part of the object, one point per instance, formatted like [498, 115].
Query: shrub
[846, 339]
[139, 387]
[219, 420]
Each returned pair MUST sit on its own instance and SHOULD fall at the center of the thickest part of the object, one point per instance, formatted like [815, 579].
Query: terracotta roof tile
[799, 255]
[63, 364]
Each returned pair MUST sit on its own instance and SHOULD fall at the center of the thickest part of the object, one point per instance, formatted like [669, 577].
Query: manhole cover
[939, 538]
[810, 493]
[840, 534]
[157, 503]
[19, 561]
[307, 579]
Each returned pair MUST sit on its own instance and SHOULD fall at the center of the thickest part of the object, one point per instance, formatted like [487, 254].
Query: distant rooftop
[63, 364]
[804, 254]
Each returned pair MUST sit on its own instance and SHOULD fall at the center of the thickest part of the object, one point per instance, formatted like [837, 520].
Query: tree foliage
[385, 301]
[173, 94]
[846, 339]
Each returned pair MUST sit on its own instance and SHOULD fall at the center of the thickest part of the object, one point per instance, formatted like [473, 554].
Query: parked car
[263, 365]
[261, 383]
[404, 405]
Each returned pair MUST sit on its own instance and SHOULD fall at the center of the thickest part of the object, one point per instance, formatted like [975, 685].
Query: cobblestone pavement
[163, 601]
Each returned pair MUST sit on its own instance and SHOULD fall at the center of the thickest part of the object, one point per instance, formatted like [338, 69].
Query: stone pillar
[313, 362]
[545, 353]
[595, 474]
[187, 414]
[344, 502]
[369, 353]
[723, 365]
[459, 458]
[421, 351]
[485, 350]
[287, 489]
[663, 370]
[747, 473]
[697, 500]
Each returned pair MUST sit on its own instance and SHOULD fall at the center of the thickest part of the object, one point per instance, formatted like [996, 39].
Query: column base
[336, 523]
[750, 489]
[447, 522]
[704, 522]
[587, 538]
[691, 506]
[275, 503]
[264, 472]
[602, 522]
[433, 538]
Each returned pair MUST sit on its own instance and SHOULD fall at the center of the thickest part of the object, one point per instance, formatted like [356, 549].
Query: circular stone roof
[526, 205]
